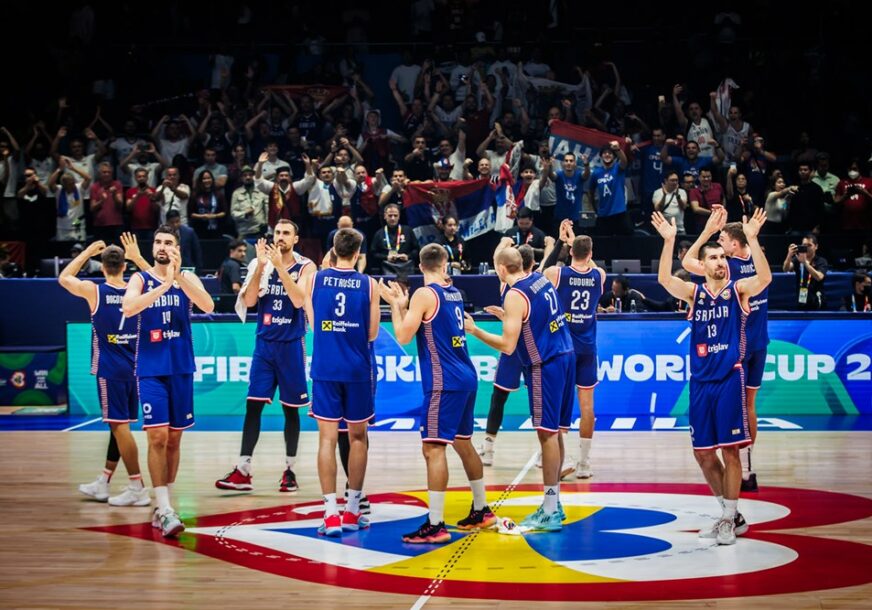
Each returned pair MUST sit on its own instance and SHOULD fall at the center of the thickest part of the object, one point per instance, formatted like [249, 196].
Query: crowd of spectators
[238, 155]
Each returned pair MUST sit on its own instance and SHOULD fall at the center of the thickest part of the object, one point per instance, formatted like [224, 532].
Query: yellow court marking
[493, 557]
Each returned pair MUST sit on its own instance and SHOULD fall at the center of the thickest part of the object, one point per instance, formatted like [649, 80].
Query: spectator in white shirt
[406, 75]
[175, 195]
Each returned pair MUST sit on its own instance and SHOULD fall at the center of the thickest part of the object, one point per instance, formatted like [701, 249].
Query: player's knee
[157, 438]
[432, 450]
[731, 454]
[357, 434]
[546, 435]
[119, 428]
[705, 458]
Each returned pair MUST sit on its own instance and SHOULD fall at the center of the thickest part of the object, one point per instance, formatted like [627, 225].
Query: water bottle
[632, 305]
[618, 308]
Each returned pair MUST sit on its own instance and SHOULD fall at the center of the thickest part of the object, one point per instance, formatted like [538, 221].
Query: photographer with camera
[810, 270]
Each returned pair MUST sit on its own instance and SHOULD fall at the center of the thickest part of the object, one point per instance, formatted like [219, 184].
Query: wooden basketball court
[50, 560]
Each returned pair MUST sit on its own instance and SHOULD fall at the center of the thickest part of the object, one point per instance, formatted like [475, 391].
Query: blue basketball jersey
[442, 352]
[579, 293]
[544, 334]
[164, 344]
[717, 332]
[277, 318]
[341, 303]
[113, 337]
[757, 329]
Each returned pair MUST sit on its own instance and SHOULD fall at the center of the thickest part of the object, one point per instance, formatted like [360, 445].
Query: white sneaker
[96, 489]
[726, 531]
[487, 456]
[740, 527]
[709, 533]
[131, 497]
[583, 471]
[171, 524]
[155, 518]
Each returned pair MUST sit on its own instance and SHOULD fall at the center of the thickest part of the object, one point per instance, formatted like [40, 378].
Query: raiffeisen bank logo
[619, 542]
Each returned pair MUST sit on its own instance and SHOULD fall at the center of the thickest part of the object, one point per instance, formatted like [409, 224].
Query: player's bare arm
[674, 286]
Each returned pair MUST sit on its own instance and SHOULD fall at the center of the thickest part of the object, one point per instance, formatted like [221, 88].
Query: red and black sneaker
[478, 519]
[289, 481]
[428, 534]
[235, 480]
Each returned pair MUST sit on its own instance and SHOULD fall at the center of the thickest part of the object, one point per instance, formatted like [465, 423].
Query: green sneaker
[531, 520]
[560, 511]
[540, 521]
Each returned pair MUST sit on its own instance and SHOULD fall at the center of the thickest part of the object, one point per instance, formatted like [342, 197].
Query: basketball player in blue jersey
[276, 283]
[344, 309]
[343, 443]
[163, 298]
[718, 315]
[113, 348]
[507, 378]
[579, 288]
[533, 322]
[435, 317]
[732, 240]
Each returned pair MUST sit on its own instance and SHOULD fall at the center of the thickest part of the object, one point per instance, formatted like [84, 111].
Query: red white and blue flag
[566, 137]
[479, 205]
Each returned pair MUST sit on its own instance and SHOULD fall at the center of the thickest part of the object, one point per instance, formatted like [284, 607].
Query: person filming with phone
[810, 270]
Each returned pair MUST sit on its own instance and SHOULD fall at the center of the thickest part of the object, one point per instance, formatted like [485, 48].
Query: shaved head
[511, 259]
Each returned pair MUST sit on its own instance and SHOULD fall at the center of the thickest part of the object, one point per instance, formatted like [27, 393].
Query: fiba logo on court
[18, 379]
[619, 542]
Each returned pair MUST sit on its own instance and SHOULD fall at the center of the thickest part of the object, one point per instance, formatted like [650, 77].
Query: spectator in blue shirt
[652, 169]
[691, 163]
[609, 186]
[568, 185]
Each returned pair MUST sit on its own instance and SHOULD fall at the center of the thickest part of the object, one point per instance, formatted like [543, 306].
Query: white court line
[425, 598]
[83, 424]
[525, 469]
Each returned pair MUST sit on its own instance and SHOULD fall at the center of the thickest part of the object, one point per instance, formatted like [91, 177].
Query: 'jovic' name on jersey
[544, 334]
[113, 337]
[442, 351]
[579, 293]
[757, 328]
[717, 332]
[341, 349]
[277, 318]
[164, 343]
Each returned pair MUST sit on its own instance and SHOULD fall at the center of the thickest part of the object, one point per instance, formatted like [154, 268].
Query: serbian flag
[427, 203]
[505, 199]
[566, 137]
[321, 94]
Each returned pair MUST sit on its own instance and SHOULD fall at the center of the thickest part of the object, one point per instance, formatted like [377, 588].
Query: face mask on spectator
[853, 174]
